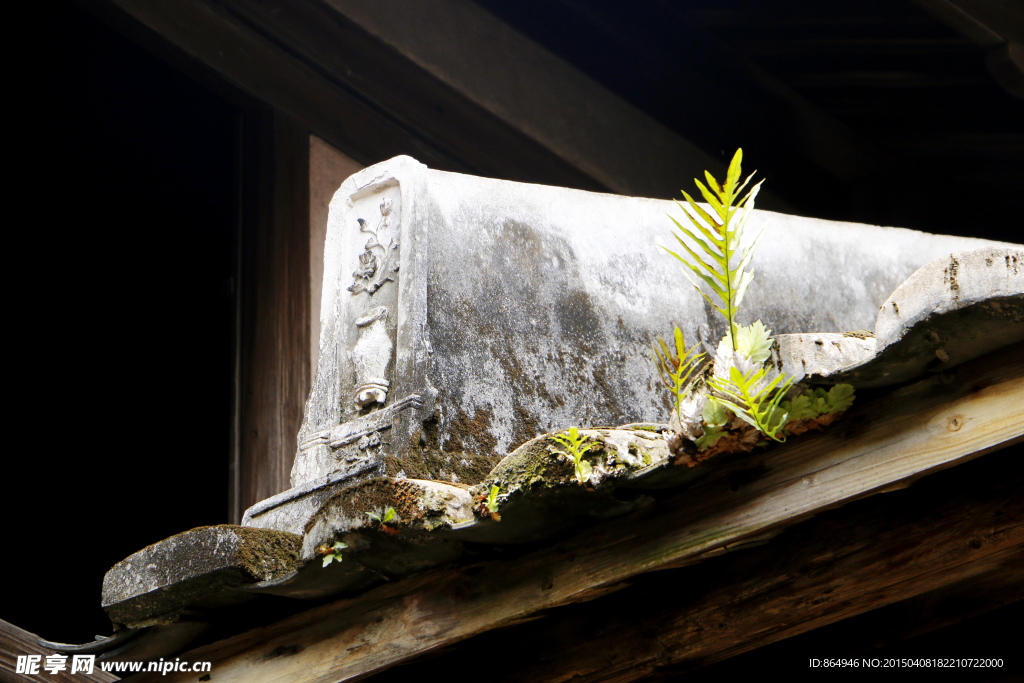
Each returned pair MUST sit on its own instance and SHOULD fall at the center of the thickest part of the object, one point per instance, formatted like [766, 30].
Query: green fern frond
[753, 399]
[714, 414]
[710, 437]
[718, 235]
[754, 341]
[840, 398]
[817, 402]
[676, 370]
[576, 447]
[800, 408]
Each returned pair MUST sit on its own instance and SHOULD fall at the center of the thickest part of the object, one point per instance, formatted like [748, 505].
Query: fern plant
[716, 419]
[754, 400]
[814, 403]
[576, 447]
[723, 266]
[741, 383]
[676, 370]
[721, 234]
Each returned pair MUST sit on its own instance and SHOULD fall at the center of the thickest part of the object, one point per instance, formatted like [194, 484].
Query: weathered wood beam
[807, 134]
[344, 52]
[208, 42]
[918, 618]
[987, 22]
[274, 337]
[883, 445]
[549, 100]
[962, 532]
[997, 25]
[332, 70]
[16, 641]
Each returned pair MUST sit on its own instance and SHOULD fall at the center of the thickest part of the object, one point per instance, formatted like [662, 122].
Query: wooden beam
[997, 25]
[310, 62]
[987, 22]
[275, 337]
[919, 618]
[202, 36]
[883, 445]
[790, 127]
[536, 92]
[470, 137]
[956, 542]
[16, 641]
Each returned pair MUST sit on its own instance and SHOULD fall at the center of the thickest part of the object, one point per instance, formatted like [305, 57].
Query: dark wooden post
[274, 322]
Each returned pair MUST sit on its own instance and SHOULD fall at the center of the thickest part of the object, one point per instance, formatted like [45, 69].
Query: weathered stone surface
[154, 584]
[289, 511]
[425, 506]
[938, 422]
[816, 357]
[413, 540]
[954, 309]
[463, 316]
[540, 497]
[466, 316]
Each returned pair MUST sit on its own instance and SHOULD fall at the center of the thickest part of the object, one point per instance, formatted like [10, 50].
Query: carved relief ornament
[371, 356]
[377, 263]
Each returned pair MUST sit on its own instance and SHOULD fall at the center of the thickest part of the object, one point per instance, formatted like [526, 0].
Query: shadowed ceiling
[864, 110]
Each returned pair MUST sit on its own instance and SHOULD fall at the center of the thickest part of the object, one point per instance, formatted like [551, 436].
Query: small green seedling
[492, 499]
[382, 523]
[488, 505]
[576, 446]
[332, 553]
[389, 515]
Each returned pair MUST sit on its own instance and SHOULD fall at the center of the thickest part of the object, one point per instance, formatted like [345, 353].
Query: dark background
[871, 111]
[120, 267]
[119, 321]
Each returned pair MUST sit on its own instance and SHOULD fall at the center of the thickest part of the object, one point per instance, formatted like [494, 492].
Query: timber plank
[345, 53]
[966, 545]
[210, 35]
[311, 63]
[628, 635]
[936, 423]
[274, 339]
[16, 641]
[910, 627]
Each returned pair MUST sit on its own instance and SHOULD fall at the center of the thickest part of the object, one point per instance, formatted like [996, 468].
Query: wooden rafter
[883, 445]
[947, 537]
[15, 642]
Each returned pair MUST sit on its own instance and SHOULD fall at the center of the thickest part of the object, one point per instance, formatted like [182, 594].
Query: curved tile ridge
[948, 284]
[815, 357]
[153, 585]
[950, 311]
